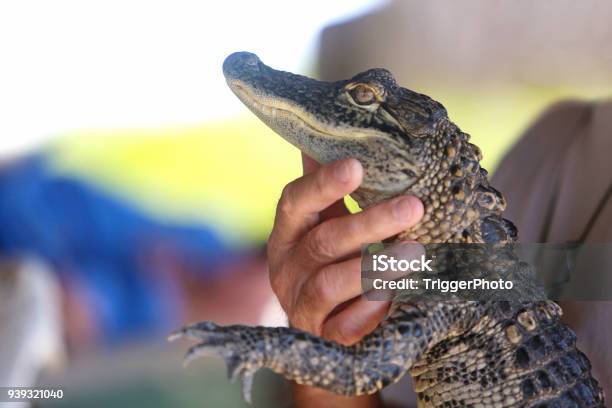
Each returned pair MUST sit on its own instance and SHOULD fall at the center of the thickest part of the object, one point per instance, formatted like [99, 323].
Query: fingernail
[342, 172]
[403, 208]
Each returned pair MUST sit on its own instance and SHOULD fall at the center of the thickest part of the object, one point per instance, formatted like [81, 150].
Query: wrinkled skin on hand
[315, 262]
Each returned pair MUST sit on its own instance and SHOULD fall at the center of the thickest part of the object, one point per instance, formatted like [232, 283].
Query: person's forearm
[310, 397]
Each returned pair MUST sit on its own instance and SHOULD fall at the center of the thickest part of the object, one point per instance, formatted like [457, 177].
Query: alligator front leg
[364, 368]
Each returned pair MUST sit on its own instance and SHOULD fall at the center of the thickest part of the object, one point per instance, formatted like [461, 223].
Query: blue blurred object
[102, 245]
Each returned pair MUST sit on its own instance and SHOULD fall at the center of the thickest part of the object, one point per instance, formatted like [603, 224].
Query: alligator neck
[460, 204]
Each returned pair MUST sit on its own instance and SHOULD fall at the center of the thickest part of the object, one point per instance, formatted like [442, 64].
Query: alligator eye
[363, 95]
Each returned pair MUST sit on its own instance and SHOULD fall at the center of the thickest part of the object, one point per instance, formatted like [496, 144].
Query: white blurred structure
[30, 323]
[70, 64]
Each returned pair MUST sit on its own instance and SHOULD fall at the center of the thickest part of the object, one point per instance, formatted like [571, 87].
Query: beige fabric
[557, 175]
[558, 182]
[453, 42]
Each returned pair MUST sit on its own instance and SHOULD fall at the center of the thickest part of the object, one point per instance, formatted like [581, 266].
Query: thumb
[338, 208]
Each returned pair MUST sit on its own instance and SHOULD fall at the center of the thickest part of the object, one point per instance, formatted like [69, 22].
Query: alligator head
[403, 139]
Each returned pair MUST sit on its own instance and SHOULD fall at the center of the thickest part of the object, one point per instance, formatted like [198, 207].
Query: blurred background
[137, 193]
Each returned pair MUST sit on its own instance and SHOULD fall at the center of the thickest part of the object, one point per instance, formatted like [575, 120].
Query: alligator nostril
[237, 61]
[249, 59]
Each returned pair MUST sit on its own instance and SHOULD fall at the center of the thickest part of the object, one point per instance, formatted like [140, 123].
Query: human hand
[314, 251]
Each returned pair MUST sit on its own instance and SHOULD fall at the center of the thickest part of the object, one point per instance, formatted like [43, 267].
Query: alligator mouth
[283, 108]
[250, 99]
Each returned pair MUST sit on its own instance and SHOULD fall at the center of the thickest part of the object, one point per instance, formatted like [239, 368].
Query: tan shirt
[558, 183]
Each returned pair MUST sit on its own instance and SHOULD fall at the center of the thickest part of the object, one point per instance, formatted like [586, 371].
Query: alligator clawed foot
[233, 344]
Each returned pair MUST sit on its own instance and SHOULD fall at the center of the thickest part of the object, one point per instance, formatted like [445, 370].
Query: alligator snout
[239, 62]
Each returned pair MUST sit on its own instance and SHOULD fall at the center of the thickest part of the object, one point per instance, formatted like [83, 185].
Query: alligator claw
[215, 341]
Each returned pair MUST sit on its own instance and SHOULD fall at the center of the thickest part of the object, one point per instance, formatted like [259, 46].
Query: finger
[327, 288]
[338, 208]
[339, 237]
[355, 321]
[303, 199]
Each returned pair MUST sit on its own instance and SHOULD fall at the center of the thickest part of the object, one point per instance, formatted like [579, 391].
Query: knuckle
[322, 181]
[324, 289]
[319, 245]
[286, 202]
[280, 280]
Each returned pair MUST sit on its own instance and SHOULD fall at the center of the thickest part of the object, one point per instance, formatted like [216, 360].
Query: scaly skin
[460, 353]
